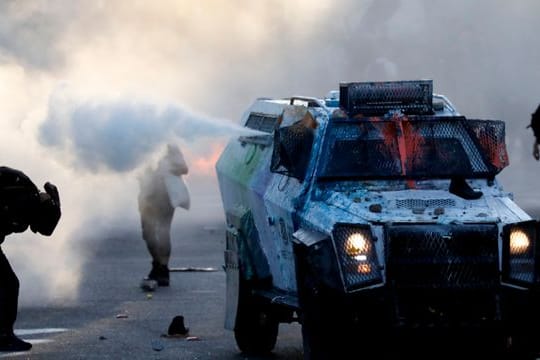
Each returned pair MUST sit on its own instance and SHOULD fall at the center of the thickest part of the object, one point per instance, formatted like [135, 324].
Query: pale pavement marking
[26, 332]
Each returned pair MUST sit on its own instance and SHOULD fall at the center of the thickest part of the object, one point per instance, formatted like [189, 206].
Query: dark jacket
[19, 201]
[535, 123]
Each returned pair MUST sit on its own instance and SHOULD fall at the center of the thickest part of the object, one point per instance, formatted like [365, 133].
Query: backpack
[535, 123]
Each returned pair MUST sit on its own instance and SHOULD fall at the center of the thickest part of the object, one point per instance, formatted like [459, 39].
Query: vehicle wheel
[327, 328]
[317, 335]
[256, 326]
[328, 331]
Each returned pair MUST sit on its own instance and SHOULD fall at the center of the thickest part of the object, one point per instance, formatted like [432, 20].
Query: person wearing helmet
[22, 205]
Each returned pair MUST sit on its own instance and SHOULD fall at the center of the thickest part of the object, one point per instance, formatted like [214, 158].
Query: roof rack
[414, 97]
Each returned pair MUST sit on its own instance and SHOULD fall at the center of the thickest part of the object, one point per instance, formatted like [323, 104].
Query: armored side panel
[247, 181]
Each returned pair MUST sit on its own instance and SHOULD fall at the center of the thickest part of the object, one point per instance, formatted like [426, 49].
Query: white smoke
[118, 135]
[216, 57]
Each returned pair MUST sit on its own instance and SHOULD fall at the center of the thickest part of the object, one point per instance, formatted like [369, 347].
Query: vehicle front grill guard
[442, 256]
[438, 256]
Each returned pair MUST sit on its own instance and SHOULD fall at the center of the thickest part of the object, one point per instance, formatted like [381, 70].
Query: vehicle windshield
[426, 147]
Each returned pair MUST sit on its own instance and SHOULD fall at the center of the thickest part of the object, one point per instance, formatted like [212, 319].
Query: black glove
[48, 211]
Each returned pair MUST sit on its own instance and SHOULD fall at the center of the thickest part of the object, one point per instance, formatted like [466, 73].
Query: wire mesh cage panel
[416, 147]
[292, 150]
[442, 256]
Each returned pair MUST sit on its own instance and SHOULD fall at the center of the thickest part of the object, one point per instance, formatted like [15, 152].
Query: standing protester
[161, 191]
[21, 205]
[535, 125]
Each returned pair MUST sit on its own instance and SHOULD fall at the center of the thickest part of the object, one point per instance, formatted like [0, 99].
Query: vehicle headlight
[357, 257]
[519, 257]
[357, 245]
[520, 242]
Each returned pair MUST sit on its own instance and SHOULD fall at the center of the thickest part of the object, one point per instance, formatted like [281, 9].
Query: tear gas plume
[119, 135]
[100, 148]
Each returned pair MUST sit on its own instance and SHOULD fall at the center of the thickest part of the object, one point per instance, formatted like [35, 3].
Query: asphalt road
[114, 319]
[91, 329]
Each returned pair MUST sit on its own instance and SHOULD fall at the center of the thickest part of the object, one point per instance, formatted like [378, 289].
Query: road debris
[193, 338]
[157, 345]
[149, 284]
[177, 327]
[122, 316]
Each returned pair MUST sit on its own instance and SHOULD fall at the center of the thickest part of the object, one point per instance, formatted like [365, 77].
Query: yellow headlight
[363, 268]
[519, 242]
[357, 244]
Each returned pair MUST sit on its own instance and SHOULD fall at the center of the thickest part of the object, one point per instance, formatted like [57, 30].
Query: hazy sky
[91, 91]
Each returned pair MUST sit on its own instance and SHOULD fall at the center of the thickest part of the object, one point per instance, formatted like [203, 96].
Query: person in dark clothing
[22, 205]
[535, 125]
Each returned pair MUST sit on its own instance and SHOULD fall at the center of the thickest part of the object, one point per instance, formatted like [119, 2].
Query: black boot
[10, 342]
[459, 187]
[160, 273]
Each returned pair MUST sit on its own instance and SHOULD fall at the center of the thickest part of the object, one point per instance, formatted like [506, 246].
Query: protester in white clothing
[162, 190]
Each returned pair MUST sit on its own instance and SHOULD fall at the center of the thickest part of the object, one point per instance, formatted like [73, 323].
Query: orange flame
[205, 164]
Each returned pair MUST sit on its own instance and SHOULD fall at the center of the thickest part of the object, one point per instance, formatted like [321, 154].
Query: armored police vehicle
[375, 211]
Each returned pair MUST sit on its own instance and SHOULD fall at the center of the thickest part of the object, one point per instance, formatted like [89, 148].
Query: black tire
[256, 327]
[317, 335]
[327, 329]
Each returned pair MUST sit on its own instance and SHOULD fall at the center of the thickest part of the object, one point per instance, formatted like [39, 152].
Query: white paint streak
[26, 332]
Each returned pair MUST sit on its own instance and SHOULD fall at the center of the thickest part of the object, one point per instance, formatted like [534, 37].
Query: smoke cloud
[141, 74]
[119, 135]
[29, 23]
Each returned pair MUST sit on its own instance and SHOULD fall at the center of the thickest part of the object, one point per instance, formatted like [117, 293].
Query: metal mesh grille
[372, 156]
[262, 122]
[369, 148]
[490, 138]
[357, 271]
[377, 98]
[522, 270]
[424, 203]
[440, 143]
[442, 256]
[292, 150]
[423, 147]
